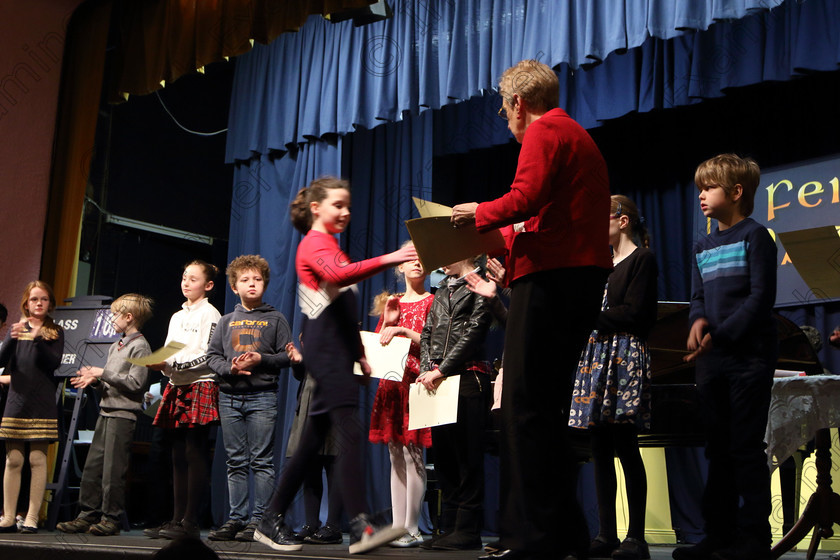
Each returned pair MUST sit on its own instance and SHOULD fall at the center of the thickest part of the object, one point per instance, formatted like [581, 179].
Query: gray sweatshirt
[123, 385]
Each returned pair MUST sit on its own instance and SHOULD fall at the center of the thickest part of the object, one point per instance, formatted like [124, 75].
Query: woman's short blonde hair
[534, 82]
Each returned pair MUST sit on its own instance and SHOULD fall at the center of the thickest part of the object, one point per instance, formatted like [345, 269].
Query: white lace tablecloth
[799, 406]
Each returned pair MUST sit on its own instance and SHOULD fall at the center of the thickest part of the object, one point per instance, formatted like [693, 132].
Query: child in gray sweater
[122, 387]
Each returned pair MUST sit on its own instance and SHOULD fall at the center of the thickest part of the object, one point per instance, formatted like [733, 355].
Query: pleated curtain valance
[330, 78]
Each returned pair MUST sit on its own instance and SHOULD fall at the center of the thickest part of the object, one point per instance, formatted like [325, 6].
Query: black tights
[609, 441]
[190, 450]
[313, 490]
[348, 463]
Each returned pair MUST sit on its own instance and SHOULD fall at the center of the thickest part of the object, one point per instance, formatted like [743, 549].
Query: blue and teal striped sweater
[733, 283]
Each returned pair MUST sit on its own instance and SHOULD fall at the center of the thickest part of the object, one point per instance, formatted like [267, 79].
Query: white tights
[11, 480]
[408, 484]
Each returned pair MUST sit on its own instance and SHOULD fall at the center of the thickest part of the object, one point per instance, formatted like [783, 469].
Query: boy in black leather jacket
[452, 344]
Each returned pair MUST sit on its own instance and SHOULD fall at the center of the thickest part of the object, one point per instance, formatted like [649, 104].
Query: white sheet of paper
[386, 362]
[159, 355]
[427, 409]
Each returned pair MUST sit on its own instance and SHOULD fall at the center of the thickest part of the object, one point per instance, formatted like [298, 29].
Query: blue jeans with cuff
[248, 422]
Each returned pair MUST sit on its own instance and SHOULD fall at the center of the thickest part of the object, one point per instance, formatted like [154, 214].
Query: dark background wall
[149, 168]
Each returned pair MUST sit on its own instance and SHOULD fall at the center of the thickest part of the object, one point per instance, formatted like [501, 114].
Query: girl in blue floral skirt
[611, 396]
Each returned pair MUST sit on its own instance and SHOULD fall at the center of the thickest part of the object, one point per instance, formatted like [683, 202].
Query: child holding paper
[122, 386]
[190, 402]
[403, 315]
[452, 344]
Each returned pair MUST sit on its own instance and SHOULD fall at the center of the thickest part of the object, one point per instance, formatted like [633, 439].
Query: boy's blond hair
[534, 82]
[247, 262]
[138, 305]
[728, 170]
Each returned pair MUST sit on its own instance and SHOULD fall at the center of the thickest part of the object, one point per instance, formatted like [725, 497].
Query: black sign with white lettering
[87, 333]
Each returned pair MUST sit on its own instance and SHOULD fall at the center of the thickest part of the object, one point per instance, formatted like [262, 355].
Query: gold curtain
[165, 39]
[78, 105]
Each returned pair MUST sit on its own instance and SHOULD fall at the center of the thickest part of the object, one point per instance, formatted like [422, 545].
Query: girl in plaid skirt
[190, 401]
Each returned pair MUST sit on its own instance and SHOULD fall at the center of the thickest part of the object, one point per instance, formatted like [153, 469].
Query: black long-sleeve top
[631, 295]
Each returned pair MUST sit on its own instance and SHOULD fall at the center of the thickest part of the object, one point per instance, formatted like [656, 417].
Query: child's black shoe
[226, 532]
[274, 533]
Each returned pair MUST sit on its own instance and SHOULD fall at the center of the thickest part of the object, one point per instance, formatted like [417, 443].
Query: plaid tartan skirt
[187, 406]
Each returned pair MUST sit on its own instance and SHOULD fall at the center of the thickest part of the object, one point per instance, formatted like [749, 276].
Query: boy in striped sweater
[733, 338]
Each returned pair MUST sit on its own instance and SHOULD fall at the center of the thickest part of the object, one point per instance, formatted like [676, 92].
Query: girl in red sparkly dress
[405, 316]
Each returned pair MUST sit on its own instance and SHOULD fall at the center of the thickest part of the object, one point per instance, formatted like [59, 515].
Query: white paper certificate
[159, 355]
[436, 408]
[386, 362]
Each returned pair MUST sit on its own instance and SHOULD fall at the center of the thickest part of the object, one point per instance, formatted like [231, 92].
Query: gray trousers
[102, 490]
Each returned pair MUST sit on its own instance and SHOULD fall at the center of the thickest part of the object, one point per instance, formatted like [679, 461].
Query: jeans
[248, 422]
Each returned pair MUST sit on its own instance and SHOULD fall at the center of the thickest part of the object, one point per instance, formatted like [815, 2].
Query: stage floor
[130, 545]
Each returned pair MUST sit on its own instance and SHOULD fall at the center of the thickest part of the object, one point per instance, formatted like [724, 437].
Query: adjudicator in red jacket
[557, 213]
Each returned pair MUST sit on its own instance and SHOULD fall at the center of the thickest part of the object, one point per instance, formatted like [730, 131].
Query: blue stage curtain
[330, 78]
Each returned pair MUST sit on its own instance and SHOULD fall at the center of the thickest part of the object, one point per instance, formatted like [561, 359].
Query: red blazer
[561, 193]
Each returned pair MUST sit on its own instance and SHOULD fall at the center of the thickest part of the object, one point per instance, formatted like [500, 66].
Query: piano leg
[823, 508]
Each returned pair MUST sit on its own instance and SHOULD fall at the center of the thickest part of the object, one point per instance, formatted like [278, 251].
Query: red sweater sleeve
[320, 259]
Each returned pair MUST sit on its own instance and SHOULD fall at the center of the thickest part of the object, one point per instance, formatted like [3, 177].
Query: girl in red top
[331, 344]
[403, 315]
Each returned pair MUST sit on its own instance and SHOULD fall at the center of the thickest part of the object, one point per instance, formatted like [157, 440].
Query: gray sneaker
[154, 532]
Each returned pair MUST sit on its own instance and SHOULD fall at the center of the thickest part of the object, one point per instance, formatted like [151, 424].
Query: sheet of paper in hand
[159, 355]
[386, 362]
[433, 408]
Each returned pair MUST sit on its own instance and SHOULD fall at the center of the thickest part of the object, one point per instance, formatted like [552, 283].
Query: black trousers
[348, 461]
[735, 392]
[459, 457]
[551, 316]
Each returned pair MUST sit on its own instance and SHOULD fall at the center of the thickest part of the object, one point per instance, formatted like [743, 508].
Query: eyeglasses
[617, 213]
[502, 112]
